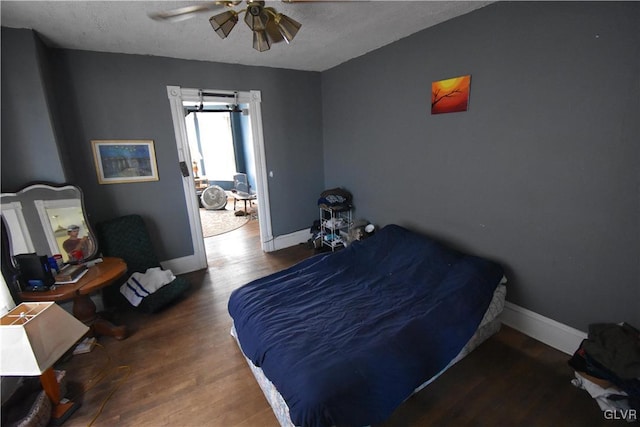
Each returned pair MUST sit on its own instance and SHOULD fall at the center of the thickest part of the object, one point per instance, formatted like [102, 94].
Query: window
[211, 144]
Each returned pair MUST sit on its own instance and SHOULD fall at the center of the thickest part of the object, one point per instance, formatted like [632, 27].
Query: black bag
[35, 272]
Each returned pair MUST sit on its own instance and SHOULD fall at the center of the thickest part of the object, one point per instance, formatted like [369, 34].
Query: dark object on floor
[615, 346]
[127, 237]
[609, 356]
[28, 405]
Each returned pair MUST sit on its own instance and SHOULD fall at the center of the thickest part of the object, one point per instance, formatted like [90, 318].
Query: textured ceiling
[332, 31]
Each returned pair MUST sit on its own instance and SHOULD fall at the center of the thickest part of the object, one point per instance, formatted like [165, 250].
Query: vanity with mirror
[49, 220]
[46, 219]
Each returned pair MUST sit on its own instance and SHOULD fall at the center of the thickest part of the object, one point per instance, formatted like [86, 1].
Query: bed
[344, 338]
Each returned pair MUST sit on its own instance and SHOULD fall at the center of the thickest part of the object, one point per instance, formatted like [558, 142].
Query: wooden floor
[180, 367]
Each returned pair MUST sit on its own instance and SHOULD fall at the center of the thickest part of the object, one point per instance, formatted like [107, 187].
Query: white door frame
[253, 98]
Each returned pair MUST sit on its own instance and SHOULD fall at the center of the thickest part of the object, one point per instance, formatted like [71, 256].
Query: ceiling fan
[267, 24]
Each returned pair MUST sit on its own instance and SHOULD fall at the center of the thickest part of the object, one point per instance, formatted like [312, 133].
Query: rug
[215, 222]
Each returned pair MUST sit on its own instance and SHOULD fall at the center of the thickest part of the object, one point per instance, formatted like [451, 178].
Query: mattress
[346, 337]
[489, 326]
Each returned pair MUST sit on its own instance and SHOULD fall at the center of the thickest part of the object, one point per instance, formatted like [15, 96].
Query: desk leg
[85, 310]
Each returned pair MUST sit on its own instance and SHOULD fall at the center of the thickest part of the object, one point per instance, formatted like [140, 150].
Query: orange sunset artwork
[450, 95]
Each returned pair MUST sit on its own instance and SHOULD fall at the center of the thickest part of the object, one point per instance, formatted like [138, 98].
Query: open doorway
[249, 104]
[223, 165]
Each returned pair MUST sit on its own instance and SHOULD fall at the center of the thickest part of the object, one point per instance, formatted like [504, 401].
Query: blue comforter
[347, 337]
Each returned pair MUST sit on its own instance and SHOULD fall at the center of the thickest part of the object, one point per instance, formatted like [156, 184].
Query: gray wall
[29, 147]
[114, 96]
[540, 174]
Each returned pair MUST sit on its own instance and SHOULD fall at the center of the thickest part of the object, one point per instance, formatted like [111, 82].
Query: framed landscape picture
[450, 95]
[121, 161]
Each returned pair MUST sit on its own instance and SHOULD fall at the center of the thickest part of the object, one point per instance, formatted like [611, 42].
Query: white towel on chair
[141, 285]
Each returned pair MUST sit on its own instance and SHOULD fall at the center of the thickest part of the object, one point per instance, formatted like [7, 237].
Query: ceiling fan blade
[187, 12]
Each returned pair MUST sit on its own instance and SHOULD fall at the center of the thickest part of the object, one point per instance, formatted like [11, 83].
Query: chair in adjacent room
[241, 191]
[241, 184]
[127, 237]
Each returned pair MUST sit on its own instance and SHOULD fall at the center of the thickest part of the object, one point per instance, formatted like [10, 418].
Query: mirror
[48, 219]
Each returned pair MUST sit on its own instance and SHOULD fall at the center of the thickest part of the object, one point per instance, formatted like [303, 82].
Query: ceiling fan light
[288, 27]
[224, 22]
[261, 41]
[256, 18]
[273, 33]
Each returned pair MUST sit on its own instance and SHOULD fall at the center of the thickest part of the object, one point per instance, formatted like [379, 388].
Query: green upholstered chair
[127, 237]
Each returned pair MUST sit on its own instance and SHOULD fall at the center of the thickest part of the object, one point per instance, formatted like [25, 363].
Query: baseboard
[548, 331]
[291, 239]
[182, 265]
